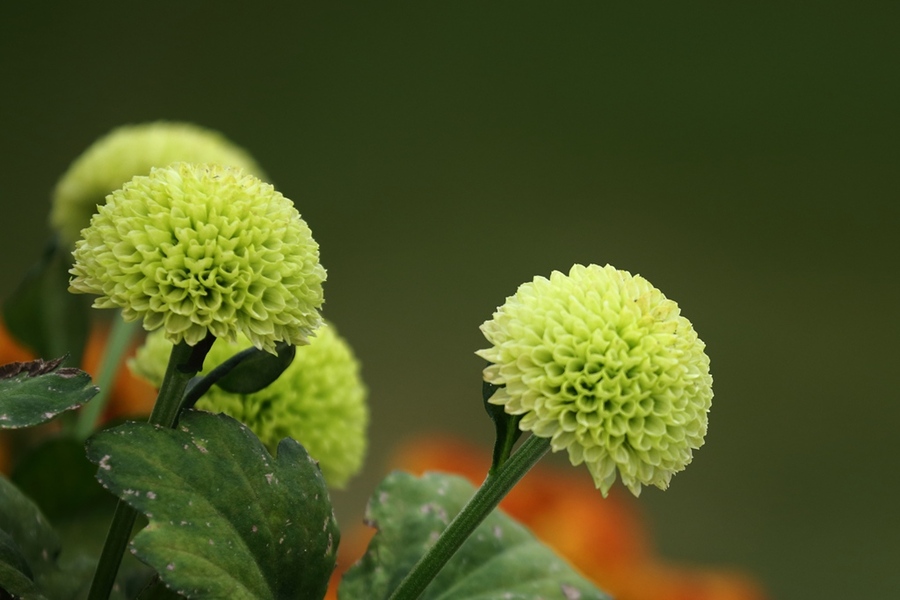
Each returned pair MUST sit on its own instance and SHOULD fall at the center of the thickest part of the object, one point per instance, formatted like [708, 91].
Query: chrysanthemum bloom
[319, 400]
[199, 249]
[126, 152]
[603, 364]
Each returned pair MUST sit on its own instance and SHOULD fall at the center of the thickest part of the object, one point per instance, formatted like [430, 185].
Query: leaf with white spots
[35, 392]
[502, 560]
[226, 519]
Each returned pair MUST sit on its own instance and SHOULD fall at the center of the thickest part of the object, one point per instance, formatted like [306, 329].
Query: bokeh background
[741, 156]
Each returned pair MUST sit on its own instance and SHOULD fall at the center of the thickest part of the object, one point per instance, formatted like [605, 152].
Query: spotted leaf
[502, 560]
[35, 392]
[226, 519]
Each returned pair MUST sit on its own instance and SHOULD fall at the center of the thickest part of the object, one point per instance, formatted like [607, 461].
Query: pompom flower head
[133, 150]
[199, 249]
[603, 364]
[319, 400]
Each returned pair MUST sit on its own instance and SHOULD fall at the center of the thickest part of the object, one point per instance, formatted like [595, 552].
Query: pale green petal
[320, 400]
[198, 249]
[603, 364]
[129, 151]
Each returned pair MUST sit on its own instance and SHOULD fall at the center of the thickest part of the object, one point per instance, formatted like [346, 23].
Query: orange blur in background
[605, 539]
[129, 396]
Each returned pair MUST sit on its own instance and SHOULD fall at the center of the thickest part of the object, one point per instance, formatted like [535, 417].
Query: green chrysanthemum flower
[320, 399]
[133, 150]
[603, 364]
[198, 249]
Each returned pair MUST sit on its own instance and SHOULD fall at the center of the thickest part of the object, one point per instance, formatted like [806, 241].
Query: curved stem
[201, 385]
[486, 498]
[184, 362]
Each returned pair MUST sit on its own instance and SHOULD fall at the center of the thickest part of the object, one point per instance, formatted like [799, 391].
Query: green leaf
[501, 559]
[247, 372]
[42, 313]
[35, 392]
[33, 565]
[157, 590]
[29, 544]
[226, 519]
[18, 585]
[257, 370]
[11, 556]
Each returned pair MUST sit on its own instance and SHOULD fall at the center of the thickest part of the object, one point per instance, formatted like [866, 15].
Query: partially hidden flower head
[319, 400]
[603, 364]
[200, 249]
[133, 150]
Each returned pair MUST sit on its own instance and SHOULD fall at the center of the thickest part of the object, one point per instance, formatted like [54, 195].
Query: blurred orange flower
[129, 397]
[605, 539]
[10, 350]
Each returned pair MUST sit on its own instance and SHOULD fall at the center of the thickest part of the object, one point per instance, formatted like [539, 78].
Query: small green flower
[603, 364]
[129, 151]
[320, 399]
[198, 249]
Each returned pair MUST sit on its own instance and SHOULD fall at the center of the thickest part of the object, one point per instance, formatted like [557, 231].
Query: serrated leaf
[42, 313]
[501, 560]
[257, 370]
[226, 519]
[35, 392]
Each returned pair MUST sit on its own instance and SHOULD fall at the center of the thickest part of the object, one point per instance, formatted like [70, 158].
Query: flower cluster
[129, 151]
[320, 399]
[603, 364]
[199, 249]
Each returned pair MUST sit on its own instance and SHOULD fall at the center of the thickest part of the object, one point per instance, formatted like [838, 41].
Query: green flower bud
[198, 249]
[603, 364]
[129, 151]
[319, 400]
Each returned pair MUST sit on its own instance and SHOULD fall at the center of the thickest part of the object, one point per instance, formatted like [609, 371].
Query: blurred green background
[741, 156]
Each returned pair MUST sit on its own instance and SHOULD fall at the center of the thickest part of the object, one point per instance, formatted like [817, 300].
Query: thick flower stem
[184, 362]
[486, 498]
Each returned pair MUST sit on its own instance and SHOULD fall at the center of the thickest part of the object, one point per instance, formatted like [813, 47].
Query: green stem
[116, 345]
[184, 362]
[201, 385]
[486, 498]
[507, 436]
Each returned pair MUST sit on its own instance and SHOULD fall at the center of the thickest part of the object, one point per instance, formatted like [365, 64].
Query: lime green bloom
[320, 399]
[199, 249]
[603, 364]
[133, 150]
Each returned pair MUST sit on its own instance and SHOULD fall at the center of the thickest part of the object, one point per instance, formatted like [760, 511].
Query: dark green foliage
[226, 519]
[43, 315]
[501, 560]
[35, 392]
